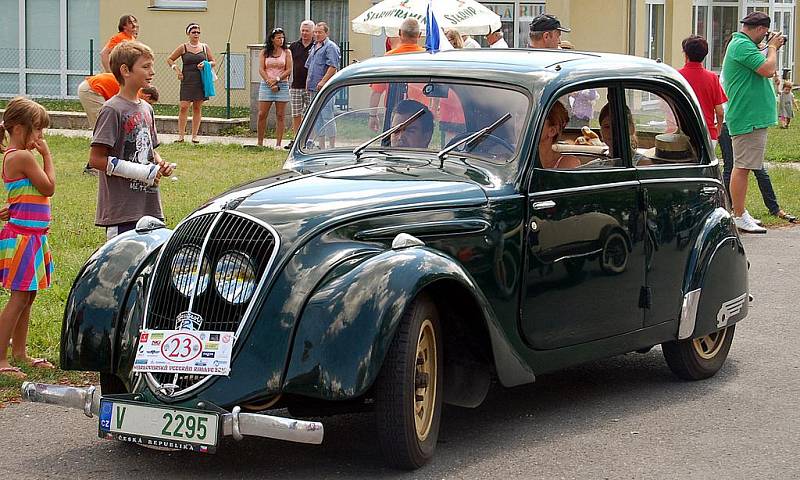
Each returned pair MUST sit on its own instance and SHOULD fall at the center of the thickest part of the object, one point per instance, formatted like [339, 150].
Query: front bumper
[235, 423]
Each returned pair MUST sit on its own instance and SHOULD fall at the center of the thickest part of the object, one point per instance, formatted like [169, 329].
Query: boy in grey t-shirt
[123, 146]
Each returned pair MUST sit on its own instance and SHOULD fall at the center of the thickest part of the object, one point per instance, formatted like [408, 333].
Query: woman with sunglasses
[274, 66]
[194, 55]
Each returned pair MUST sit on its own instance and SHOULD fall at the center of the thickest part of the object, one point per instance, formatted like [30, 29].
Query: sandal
[37, 363]
[195, 141]
[787, 216]
[180, 140]
[42, 363]
[15, 372]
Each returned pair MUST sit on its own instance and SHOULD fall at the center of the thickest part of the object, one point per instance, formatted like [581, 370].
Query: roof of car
[511, 65]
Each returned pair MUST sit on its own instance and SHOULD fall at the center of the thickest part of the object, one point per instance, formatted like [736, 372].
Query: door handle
[709, 191]
[544, 205]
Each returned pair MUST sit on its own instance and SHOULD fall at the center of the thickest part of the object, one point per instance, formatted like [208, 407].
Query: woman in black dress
[193, 54]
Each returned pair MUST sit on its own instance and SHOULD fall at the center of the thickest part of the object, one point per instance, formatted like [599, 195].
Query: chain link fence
[53, 76]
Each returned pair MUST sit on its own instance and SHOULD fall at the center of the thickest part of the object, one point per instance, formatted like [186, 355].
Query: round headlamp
[235, 277]
[189, 276]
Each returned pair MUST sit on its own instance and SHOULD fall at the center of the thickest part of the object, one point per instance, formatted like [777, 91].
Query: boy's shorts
[300, 99]
[115, 230]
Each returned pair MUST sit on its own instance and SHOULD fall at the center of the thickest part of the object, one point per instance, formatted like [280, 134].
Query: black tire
[110, 384]
[699, 358]
[408, 417]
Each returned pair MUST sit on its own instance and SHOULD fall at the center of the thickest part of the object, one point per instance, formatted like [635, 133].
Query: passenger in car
[607, 134]
[554, 125]
[418, 133]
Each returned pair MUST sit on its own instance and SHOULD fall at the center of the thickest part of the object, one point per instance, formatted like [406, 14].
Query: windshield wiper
[473, 140]
[357, 151]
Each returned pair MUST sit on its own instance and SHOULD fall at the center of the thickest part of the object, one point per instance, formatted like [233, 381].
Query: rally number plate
[153, 426]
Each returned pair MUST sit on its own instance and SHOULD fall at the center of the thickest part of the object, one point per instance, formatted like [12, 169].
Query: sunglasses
[277, 30]
[195, 31]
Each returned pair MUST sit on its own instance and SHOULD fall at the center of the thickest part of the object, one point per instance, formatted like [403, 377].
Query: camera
[771, 35]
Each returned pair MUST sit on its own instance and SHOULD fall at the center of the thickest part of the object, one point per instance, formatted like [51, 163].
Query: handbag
[208, 76]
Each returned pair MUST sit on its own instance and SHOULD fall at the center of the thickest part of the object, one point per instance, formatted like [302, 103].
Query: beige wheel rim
[709, 346]
[425, 380]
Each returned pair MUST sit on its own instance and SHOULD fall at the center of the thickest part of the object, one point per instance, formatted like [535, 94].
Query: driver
[418, 133]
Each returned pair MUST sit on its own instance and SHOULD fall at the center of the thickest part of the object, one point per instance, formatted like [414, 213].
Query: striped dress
[25, 260]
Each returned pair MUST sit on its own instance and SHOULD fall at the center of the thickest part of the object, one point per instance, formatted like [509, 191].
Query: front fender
[348, 324]
[100, 296]
[716, 279]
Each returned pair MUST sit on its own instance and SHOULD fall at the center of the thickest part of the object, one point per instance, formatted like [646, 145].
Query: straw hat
[671, 148]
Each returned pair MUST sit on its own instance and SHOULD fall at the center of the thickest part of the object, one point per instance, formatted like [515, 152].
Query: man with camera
[751, 105]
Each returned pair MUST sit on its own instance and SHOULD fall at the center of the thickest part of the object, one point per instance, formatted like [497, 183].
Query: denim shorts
[265, 94]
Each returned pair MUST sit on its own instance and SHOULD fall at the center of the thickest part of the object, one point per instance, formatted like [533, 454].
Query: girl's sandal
[41, 363]
[788, 217]
[14, 372]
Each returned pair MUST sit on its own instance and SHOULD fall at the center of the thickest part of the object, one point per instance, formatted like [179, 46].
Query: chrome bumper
[235, 424]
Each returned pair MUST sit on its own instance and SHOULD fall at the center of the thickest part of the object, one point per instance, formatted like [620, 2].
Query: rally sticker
[184, 351]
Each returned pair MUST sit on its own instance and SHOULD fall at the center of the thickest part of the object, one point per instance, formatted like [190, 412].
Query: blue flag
[435, 39]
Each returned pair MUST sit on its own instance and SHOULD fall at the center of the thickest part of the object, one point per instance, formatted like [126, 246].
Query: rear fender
[716, 286]
[102, 300]
[348, 324]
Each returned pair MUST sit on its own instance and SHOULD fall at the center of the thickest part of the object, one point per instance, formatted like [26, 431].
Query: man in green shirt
[746, 77]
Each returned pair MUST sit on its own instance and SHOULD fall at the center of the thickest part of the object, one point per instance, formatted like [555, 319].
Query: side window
[577, 132]
[657, 133]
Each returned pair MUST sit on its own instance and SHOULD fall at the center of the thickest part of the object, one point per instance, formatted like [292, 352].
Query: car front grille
[213, 235]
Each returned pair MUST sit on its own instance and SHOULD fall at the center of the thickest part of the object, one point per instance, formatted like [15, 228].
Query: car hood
[296, 204]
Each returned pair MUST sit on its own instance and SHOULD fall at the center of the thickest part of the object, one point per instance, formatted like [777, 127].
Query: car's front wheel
[699, 358]
[408, 394]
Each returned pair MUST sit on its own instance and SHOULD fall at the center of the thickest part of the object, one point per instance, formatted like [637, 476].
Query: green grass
[786, 181]
[209, 111]
[74, 237]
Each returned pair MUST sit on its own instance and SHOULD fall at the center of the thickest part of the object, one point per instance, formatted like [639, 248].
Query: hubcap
[425, 380]
[707, 347]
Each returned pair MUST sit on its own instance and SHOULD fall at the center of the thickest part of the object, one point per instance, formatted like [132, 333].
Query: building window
[654, 40]
[46, 47]
[179, 4]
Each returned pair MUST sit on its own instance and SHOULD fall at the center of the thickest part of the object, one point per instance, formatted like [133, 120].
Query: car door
[681, 187]
[584, 268]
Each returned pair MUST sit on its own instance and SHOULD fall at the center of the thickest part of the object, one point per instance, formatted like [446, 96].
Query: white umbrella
[467, 16]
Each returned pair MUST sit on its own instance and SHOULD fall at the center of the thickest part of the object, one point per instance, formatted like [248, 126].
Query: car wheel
[408, 394]
[110, 384]
[614, 257]
[699, 358]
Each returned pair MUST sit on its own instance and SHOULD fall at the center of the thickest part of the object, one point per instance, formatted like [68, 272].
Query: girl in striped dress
[25, 262]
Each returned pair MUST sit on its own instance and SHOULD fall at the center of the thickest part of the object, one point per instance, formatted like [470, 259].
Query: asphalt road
[625, 417]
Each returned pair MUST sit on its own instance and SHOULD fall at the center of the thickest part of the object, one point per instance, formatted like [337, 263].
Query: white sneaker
[757, 221]
[746, 223]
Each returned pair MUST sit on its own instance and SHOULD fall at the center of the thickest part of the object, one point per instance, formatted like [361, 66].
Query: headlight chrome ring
[190, 277]
[235, 277]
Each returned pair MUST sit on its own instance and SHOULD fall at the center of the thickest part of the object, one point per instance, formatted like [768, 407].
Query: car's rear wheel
[408, 394]
[110, 383]
[699, 358]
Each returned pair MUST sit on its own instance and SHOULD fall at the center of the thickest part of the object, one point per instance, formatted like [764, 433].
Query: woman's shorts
[265, 94]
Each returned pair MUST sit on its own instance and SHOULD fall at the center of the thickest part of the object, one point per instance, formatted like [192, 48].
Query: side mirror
[148, 224]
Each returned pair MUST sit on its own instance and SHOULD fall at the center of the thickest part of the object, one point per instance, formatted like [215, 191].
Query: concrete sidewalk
[167, 138]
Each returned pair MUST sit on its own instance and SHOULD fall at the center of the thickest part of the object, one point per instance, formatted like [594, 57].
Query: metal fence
[56, 74]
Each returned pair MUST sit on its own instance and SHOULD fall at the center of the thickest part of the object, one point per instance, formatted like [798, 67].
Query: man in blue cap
[546, 31]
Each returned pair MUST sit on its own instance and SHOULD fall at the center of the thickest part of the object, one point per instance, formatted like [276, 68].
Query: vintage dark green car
[442, 221]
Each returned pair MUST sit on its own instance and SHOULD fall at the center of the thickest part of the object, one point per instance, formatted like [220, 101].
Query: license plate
[166, 427]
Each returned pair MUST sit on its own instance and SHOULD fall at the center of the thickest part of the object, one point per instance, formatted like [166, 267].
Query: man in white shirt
[495, 40]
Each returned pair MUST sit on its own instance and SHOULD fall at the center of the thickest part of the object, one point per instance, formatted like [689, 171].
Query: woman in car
[554, 125]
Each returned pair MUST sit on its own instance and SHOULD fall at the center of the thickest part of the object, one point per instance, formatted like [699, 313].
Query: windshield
[353, 118]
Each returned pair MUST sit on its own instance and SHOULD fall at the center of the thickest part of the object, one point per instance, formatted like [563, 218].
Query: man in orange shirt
[128, 30]
[94, 91]
[409, 37]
